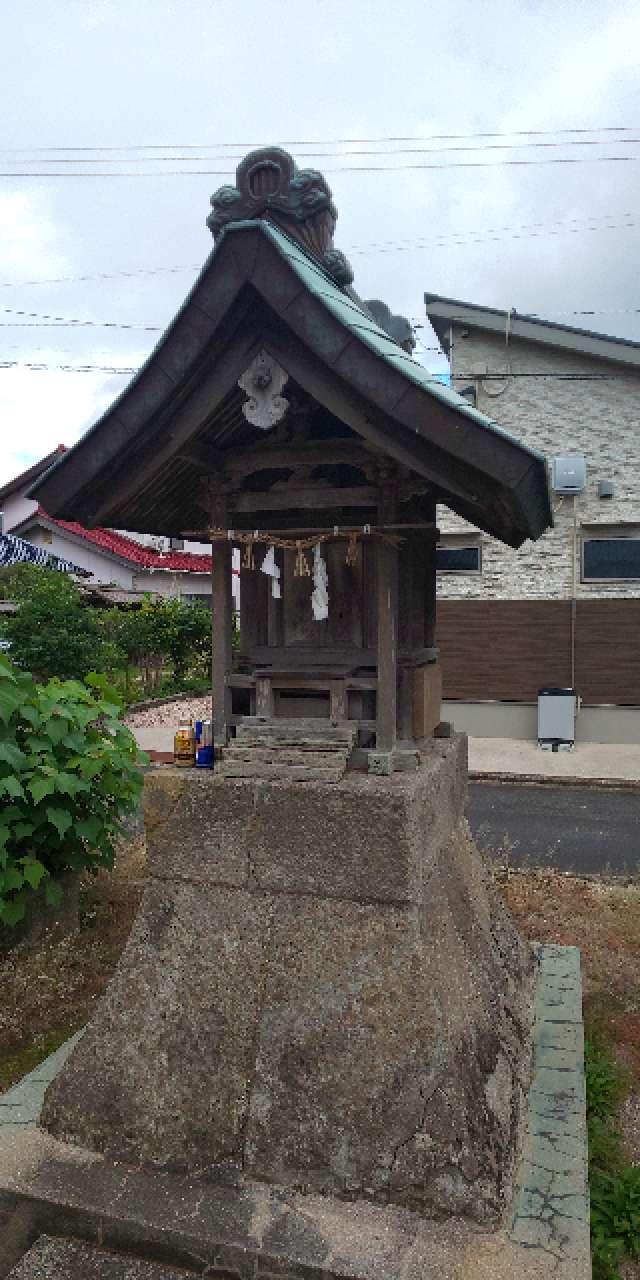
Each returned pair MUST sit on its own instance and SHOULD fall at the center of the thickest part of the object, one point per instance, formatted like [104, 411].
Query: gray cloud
[125, 72]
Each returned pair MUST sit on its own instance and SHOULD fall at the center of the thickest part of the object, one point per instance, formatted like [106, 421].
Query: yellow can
[184, 746]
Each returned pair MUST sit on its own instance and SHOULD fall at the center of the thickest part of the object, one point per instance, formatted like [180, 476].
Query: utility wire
[379, 168]
[338, 155]
[38, 366]
[442, 240]
[317, 142]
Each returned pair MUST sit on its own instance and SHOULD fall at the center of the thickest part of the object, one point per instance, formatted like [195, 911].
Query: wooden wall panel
[608, 651]
[503, 649]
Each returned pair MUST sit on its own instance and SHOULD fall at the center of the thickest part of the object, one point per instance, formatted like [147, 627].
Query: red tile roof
[117, 544]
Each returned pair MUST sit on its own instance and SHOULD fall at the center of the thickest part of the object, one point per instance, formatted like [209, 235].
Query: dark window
[612, 558]
[458, 559]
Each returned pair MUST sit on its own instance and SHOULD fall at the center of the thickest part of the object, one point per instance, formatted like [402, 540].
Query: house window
[458, 558]
[611, 559]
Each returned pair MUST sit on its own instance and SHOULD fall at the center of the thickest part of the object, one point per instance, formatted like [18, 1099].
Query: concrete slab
[51, 1259]
[50, 1187]
[612, 764]
[593, 762]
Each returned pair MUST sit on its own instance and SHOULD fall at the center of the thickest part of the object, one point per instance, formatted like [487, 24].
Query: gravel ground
[171, 713]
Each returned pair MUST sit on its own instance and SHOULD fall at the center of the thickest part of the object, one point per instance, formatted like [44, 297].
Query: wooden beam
[313, 452]
[312, 497]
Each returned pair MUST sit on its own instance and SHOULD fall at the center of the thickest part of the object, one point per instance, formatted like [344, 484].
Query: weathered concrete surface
[551, 1208]
[320, 991]
[51, 1259]
[48, 1187]
[255, 1230]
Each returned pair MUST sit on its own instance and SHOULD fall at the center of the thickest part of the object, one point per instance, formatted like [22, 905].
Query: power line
[399, 168]
[338, 155]
[441, 240]
[63, 322]
[316, 142]
[43, 367]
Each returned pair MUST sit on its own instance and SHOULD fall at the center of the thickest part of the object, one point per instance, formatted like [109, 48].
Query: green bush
[68, 776]
[162, 632]
[615, 1220]
[614, 1184]
[51, 634]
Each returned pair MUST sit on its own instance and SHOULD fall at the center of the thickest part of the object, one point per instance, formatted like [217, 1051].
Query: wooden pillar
[221, 626]
[387, 612]
[430, 544]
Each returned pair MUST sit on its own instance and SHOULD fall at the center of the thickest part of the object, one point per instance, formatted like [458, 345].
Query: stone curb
[551, 1204]
[546, 779]
[548, 1229]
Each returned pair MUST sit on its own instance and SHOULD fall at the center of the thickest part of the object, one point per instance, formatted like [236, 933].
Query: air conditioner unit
[569, 473]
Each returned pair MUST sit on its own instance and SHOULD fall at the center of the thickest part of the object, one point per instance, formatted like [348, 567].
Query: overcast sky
[219, 76]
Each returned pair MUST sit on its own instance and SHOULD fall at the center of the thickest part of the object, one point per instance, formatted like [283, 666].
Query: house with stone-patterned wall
[564, 611]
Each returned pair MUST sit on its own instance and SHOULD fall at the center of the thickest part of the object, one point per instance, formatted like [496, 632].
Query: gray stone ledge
[50, 1187]
[551, 1206]
[51, 1259]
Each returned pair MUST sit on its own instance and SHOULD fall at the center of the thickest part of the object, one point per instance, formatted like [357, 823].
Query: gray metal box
[569, 473]
[557, 718]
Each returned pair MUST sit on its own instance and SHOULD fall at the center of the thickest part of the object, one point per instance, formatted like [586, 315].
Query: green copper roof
[355, 318]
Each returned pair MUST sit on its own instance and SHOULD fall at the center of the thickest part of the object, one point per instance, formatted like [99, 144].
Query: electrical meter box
[557, 719]
[569, 473]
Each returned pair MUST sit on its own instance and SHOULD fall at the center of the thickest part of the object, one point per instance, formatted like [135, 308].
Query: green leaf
[37, 745]
[55, 729]
[23, 830]
[90, 828]
[52, 893]
[41, 787]
[5, 834]
[31, 715]
[11, 787]
[70, 785]
[12, 755]
[12, 911]
[90, 767]
[10, 700]
[12, 878]
[60, 819]
[33, 871]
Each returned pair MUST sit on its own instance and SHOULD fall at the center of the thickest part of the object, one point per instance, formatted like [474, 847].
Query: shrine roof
[260, 288]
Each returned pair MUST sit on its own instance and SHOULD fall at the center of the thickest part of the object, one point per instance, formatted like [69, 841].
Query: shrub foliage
[614, 1184]
[51, 634]
[68, 776]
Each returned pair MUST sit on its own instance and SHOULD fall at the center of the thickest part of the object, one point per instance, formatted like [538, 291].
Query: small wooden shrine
[282, 415]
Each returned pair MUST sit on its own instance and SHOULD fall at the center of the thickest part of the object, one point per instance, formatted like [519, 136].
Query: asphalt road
[584, 829]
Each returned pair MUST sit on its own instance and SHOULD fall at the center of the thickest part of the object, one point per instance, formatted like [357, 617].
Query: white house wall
[101, 567]
[15, 509]
[599, 419]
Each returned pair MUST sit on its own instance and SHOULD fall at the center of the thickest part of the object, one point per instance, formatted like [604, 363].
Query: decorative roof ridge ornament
[299, 201]
[398, 327]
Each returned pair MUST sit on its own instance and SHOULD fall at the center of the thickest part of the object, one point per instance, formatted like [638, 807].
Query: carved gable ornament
[269, 185]
[262, 382]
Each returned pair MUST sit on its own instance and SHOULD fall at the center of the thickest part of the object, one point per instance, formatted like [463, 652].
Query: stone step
[323, 755]
[293, 731]
[53, 1259]
[280, 771]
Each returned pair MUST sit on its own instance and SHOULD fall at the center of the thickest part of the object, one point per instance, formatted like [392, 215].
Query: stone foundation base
[135, 1223]
[320, 992]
